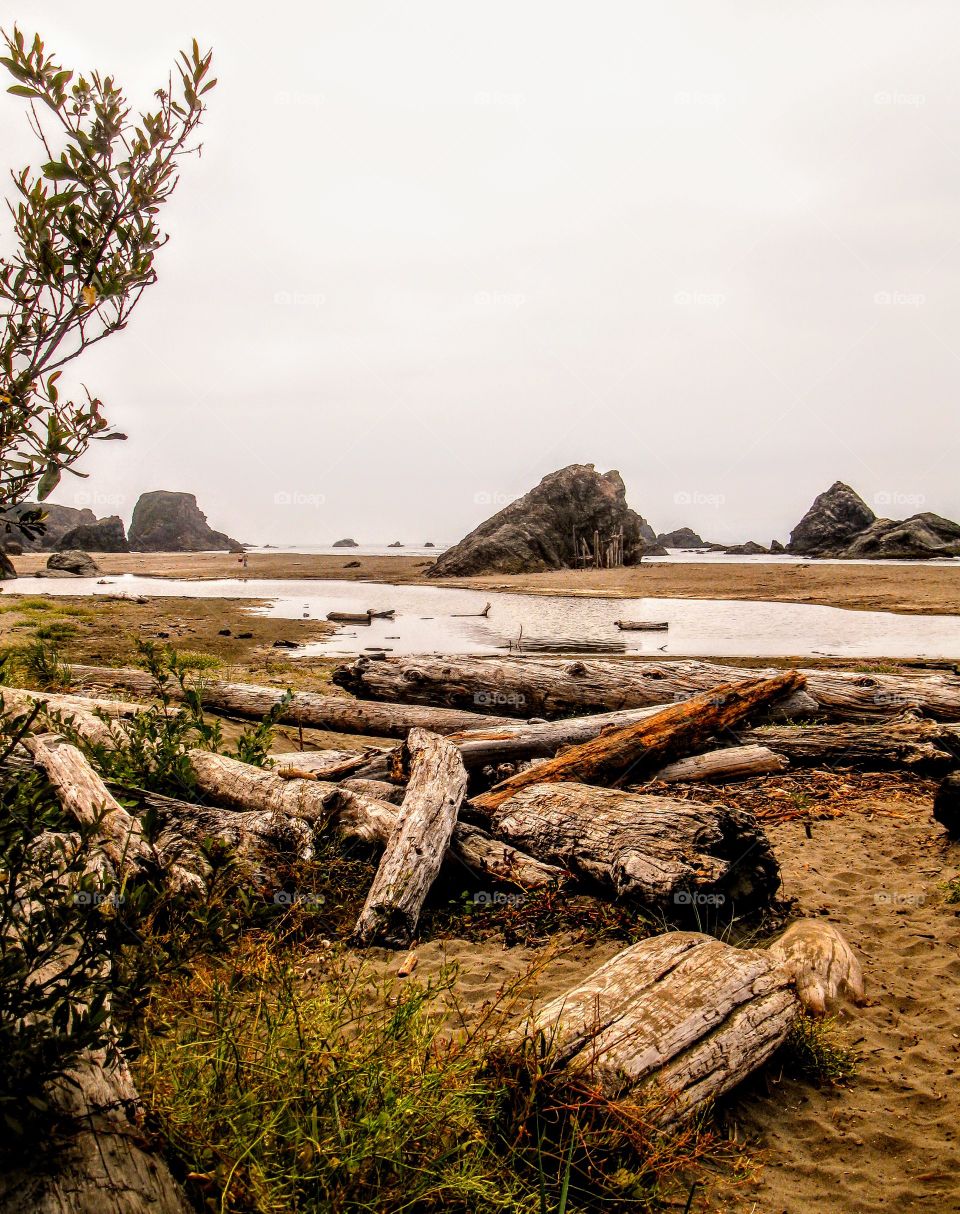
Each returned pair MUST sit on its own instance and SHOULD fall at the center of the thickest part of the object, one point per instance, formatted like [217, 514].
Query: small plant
[814, 1050]
[951, 891]
[37, 663]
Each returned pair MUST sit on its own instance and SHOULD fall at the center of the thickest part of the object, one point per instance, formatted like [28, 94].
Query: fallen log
[650, 743]
[733, 763]
[326, 764]
[662, 852]
[946, 804]
[236, 785]
[382, 790]
[920, 745]
[682, 1018]
[310, 709]
[417, 844]
[527, 687]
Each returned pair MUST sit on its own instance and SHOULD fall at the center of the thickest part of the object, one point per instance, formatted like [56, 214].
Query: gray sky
[433, 251]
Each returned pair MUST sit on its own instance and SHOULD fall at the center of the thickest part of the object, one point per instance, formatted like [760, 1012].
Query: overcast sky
[433, 251]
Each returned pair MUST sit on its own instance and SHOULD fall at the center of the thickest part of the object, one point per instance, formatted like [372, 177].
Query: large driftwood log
[311, 709]
[417, 844]
[236, 785]
[680, 1019]
[662, 852]
[920, 745]
[648, 744]
[718, 766]
[528, 687]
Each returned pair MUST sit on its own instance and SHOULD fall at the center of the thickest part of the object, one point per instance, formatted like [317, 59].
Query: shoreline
[906, 590]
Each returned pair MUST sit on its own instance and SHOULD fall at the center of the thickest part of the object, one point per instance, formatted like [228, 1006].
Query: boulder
[920, 537]
[73, 562]
[345, 544]
[946, 804]
[833, 520]
[536, 532]
[395, 544]
[683, 537]
[57, 521]
[428, 544]
[750, 548]
[7, 571]
[173, 522]
[776, 548]
[105, 535]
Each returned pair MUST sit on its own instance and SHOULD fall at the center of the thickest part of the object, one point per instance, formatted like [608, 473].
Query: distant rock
[536, 532]
[429, 545]
[921, 537]
[750, 548]
[105, 535]
[73, 562]
[776, 548]
[352, 565]
[346, 544]
[395, 544]
[164, 521]
[7, 570]
[59, 520]
[683, 537]
[833, 520]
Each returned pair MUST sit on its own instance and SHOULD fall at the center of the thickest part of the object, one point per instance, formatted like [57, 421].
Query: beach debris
[407, 965]
[360, 617]
[731, 763]
[283, 643]
[472, 615]
[642, 625]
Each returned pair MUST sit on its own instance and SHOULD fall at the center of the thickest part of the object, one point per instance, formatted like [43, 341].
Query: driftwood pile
[528, 773]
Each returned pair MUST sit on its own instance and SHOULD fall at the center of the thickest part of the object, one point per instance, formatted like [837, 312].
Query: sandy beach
[912, 589]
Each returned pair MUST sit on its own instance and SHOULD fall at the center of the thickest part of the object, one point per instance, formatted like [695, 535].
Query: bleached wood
[732, 763]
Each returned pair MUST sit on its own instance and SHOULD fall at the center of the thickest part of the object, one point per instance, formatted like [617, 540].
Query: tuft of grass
[41, 606]
[36, 663]
[191, 659]
[815, 1050]
[951, 891]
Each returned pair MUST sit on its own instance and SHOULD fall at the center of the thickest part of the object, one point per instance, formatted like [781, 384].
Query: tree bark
[527, 687]
[336, 713]
[920, 745]
[682, 1018]
[662, 852]
[733, 763]
[237, 785]
[650, 743]
[417, 844]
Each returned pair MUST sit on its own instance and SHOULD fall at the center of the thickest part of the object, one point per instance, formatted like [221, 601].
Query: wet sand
[914, 589]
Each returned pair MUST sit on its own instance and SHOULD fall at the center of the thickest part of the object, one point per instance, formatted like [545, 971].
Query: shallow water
[436, 619]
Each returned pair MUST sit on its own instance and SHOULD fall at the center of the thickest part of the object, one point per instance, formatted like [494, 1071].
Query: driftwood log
[662, 852]
[682, 1018]
[536, 687]
[918, 745]
[733, 763]
[338, 714]
[417, 843]
[650, 743]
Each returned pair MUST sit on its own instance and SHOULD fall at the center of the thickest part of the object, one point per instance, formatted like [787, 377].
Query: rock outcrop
[840, 524]
[72, 564]
[105, 535]
[683, 537]
[59, 520]
[776, 548]
[347, 543]
[750, 548]
[173, 522]
[7, 570]
[833, 520]
[536, 532]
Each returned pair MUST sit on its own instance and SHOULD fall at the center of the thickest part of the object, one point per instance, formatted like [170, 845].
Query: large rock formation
[59, 520]
[841, 524]
[750, 548]
[831, 522]
[70, 564]
[683, 537]
[105, 535]
[346, 543]
[173, 522]
[536, 532]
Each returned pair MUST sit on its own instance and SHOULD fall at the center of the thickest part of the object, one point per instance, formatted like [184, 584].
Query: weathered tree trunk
[418, 843]
[237, 785]
[659, 851]
[382, 790]
[336, 713]
[733, 763]
[680, 1019]
[920, 745]
[323, 764]
[946, 804]
[648, 744]
[83, 713]
[97, 1161]
[527, 687]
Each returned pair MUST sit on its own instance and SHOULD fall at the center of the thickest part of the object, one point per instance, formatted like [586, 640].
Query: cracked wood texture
[921, 745]
[339, 714]
[536, 687]
[732, 763]
[417, 844]
[650, 743]
[663, 852]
